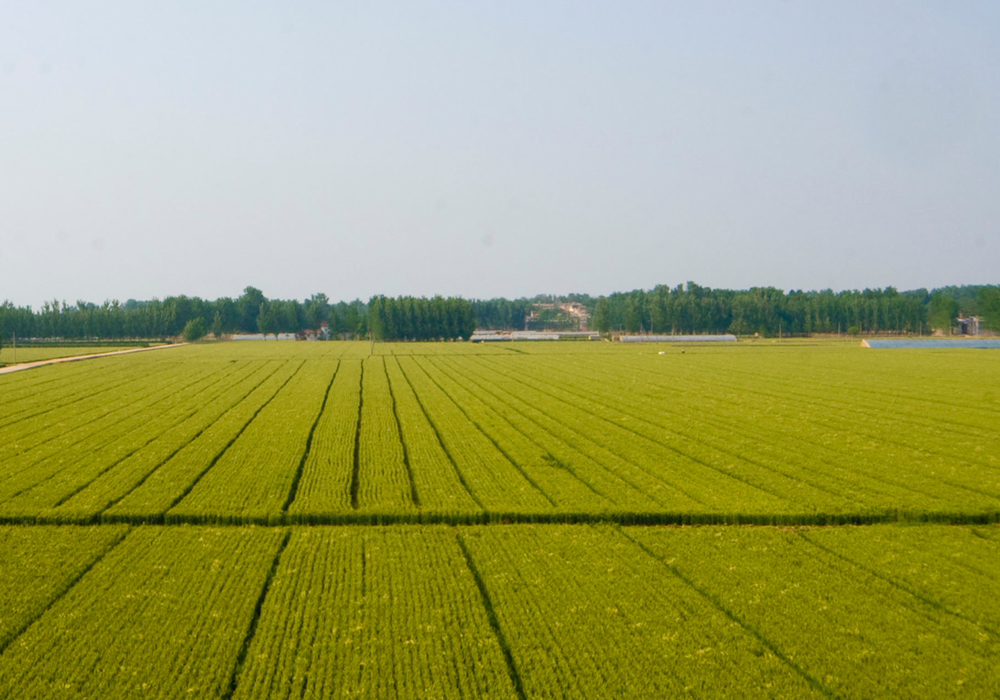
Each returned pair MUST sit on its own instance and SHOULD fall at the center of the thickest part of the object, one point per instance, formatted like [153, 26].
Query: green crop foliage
[525, 520]
[373, 612]
[285, 433]
[40, 564]
[163, 614]
[832, 613]
[564, 595]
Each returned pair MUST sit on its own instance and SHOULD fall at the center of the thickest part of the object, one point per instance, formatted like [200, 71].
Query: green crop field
[516, 520]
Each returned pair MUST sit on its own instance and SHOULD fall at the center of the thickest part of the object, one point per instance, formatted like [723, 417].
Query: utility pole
[14, 337]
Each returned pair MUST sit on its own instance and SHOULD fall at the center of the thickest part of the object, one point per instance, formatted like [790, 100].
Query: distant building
[968, 325]
[310, 334]
[576, 311]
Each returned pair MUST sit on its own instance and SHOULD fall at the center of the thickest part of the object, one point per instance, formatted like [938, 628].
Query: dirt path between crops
[74, 358]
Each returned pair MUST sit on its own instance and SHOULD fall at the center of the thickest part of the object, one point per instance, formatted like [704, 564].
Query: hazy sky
[486, 149]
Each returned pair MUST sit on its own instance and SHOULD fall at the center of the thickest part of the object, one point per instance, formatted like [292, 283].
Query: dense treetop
[688, 308]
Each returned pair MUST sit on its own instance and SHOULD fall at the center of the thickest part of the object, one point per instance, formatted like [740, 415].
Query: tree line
[402, 318]
[415, 318]
[252, 312]
[688, 308]
[768, 311]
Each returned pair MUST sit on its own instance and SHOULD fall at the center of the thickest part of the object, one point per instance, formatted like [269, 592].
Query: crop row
[544, 611]
[229, 435]
[109, 429]
[163, 614]
[372, 612]
[811, 470]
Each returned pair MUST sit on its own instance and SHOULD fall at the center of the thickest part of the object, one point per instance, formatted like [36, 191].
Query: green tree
[601, 320]
[217, 325]
[317, 310]
[194, 329]
[942, 312]
[267, 320]
[248, 307]
[988, 302]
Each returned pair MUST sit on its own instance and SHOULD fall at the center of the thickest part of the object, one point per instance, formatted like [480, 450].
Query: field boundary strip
[503, 517]
[356, 466]
[76, 358]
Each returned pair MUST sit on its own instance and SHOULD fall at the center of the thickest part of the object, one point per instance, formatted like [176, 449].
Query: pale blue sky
[487, 149]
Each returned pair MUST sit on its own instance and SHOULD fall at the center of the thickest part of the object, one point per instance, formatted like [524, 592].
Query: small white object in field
[662, 352]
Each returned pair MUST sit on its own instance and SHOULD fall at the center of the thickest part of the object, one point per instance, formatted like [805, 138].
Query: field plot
[163, 614]
[420, 520]
[374, 612]
[286, 433]
[856, 628]
[530, 611]
[40, 564]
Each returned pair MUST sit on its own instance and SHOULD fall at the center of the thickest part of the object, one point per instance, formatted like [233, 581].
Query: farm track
[77, 358]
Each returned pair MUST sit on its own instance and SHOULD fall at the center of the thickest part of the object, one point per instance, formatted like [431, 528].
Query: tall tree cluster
[768, 311]
[252, 312]
[688, 308]
[417, 318]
